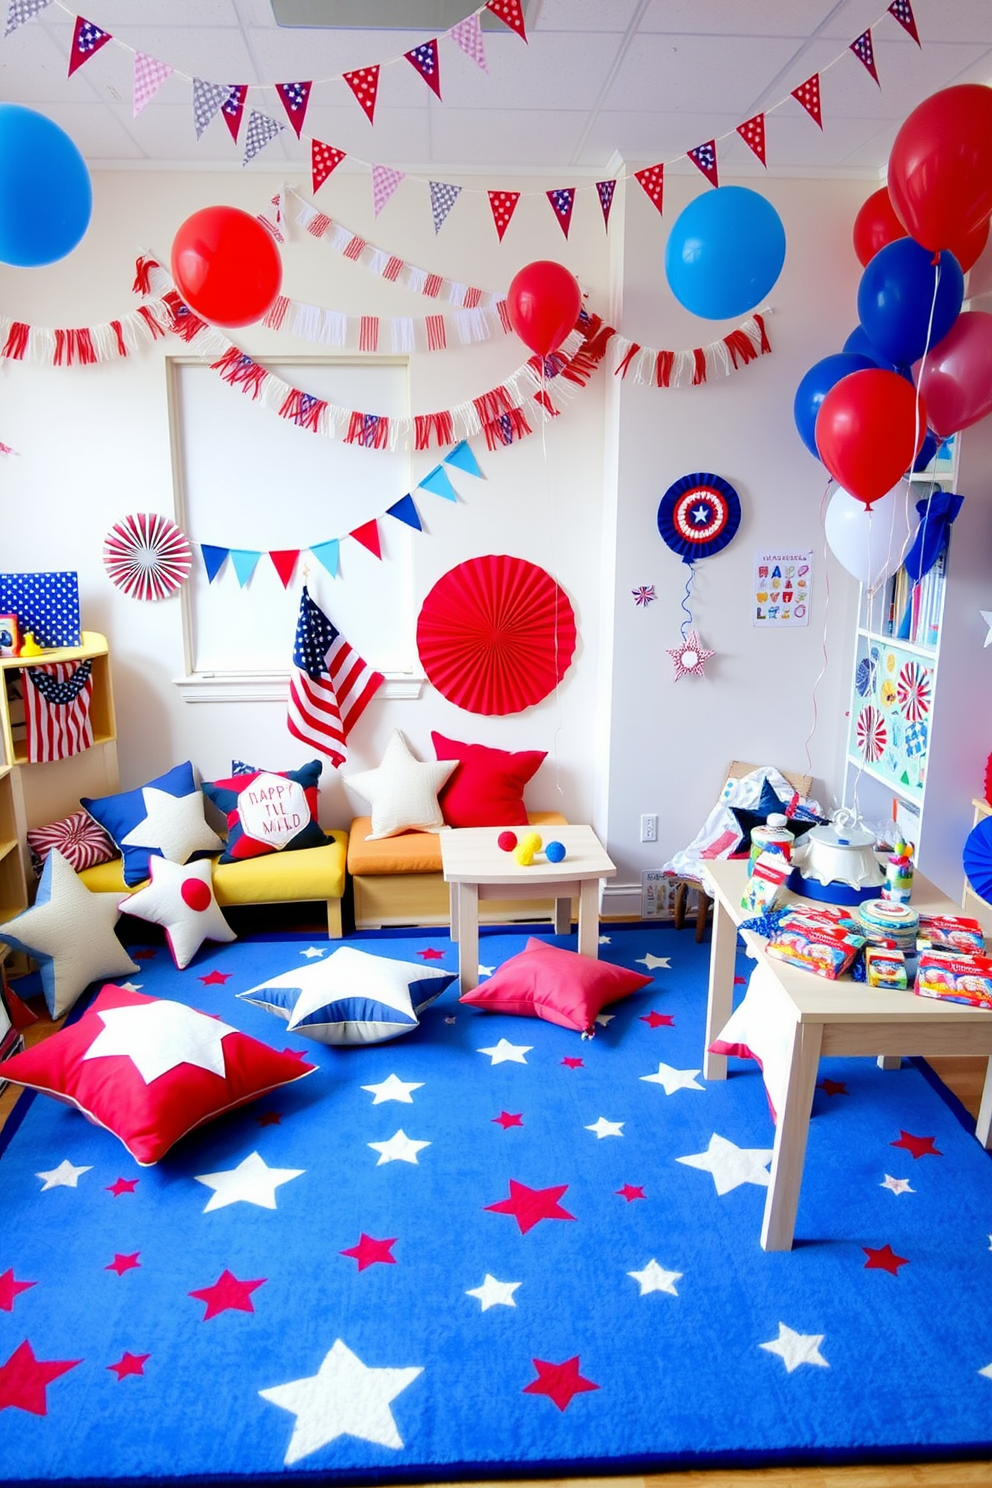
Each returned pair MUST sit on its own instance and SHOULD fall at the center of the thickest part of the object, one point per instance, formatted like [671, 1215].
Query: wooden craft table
[840, 1017]
[476, 868]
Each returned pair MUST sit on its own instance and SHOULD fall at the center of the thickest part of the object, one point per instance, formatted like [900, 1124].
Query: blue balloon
[928, 449]
[724, 253]
[860, 343]
[816, 385]
[897, 294]
[45, 192]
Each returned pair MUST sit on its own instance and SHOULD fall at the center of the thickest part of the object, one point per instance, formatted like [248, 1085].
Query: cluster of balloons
[45, 192]
[226, 266]
[917, 368]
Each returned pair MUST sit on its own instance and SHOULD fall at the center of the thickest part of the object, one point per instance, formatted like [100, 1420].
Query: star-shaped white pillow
[181, 899]
[69, 931]
[402, 792]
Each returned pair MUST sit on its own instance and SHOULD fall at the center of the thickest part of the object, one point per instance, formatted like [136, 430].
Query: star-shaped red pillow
[150, 1070]
[546, 981]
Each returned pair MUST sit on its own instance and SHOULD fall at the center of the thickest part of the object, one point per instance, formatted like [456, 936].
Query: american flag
[330, 685]
[57, 710]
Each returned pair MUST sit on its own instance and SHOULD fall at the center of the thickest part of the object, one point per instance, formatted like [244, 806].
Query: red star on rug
[227, 1294]
[299, 1054]
[573, 1063]
[431, 954]
[148, 954]
[658, 1020]
[740, 981]
[9, 1289]
[122, 1263]
[216, 978]
[918, 1146]
[507, 1118]
[560, 1382]
[530, 1205]
[368, 1252]
[832, 1087]
[630, 1192]
[884, 1259]
[129, 1364]
[23, 1379]
[269, 1118]
[122, 1186]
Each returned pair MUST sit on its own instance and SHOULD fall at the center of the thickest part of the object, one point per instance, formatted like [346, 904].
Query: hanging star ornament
[689, 656]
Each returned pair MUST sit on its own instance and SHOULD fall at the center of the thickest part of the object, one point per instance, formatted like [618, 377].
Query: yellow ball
[523, 854]
[531, 840]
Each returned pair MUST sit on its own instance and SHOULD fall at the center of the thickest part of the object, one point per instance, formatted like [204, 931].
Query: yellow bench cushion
[411, 852]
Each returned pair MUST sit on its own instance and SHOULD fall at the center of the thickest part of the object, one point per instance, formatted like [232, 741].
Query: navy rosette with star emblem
[699, 515]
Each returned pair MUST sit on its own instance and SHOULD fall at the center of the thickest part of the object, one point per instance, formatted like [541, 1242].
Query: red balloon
[956, 378]
[869, 430]
[543, 301]
[875, 226]
[969, 248]
[226, 266]
[940, 166]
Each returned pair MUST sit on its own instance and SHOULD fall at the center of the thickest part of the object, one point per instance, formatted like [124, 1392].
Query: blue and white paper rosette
[977, 858]
[699, 515]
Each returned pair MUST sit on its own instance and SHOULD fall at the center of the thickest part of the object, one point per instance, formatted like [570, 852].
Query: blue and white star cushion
[351, 997]
[163, 818]
[69, 931]
[181, 899]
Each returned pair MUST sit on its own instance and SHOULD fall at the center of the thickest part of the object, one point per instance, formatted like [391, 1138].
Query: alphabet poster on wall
[781, 591]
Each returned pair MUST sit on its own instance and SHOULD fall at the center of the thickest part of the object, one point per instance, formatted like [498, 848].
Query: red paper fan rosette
[147, 555]
[496, 634]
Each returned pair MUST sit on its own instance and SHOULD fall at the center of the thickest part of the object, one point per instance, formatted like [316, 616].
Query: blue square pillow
[164, 818]
[268, 810]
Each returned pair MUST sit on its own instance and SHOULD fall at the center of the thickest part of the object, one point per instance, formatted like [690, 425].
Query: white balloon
[870, 544]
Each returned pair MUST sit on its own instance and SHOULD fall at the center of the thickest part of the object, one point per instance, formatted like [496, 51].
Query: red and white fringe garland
[674, 369]
[397, 334]
[85, 345]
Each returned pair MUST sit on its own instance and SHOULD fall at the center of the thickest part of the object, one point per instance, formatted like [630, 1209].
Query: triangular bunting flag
[284, 563]
[364, 83]
[323, 160]
[295, 97]
[149, 75]
[327, 554]
[424, 59]
[902, 11]
[384, 183]
[233, 109]
[752, 132]
[652, 178]
[368, 536]
[865, 52]
[605, 190]
[213, 559]
[510, 13]
[87, 39]
[405, 511]
[705, 157]
[443, 198]
[19, 11]
[245, 563]
[208, 99]
[503, 204]
[808, 94]
[261, 129]
[467, 35]
[562, 200]
[463, 459]
[438, 482]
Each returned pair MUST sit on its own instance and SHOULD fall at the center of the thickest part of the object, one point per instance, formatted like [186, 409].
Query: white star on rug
[507, 1053]
[251, 1182]
[130, 986]
[606, 940]
[399, 1148]
[604, 1128]
[64, 1176]
[311, 952]
[493, 1293]
[655, 1278]
[730, 1166]
[486, 970]
[156, 1036]
[651, 962]
[898, 1186]
[394, 1089]
[796, 1348]
[173, 824]
[674, 1079]
[344, 1398]
[987, 617]
[987, 1371]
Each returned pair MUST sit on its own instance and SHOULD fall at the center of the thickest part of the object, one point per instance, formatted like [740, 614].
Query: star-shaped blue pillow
[769, 804]
[164, 818]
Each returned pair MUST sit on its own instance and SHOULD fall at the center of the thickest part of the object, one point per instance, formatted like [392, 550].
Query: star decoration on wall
[689, 656]
[644, 594]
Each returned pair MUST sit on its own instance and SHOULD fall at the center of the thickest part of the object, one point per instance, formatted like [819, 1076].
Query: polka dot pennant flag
[652, 178]
[443, 198]
[510, 13]
[752, 132]
[384, 183]
[87, 40]
[19, 11]
[562, 201]
[902, 11]
[295, 97]
[808, 94]
[605, 190]
[503, 204]
[323, 160]
[364, 83]
[467, 34]
[208, 98]
[261, 130]
[149, 75]
[865, 52]
[705, 157]
[233, 108]
[424, 59]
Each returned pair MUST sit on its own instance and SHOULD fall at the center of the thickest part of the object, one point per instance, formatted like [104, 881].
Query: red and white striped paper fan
[147, 555]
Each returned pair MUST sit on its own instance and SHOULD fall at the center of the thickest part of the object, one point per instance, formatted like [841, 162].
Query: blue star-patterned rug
[491, 1248]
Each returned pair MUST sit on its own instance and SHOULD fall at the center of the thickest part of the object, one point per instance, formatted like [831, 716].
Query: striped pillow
[80, 840]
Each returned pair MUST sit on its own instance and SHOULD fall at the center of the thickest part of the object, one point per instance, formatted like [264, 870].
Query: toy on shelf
[555, 852]
[29, 646]
[899, 873]
[507, 841]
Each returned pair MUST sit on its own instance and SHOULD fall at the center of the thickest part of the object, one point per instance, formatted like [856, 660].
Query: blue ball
[45, 192]
[555, 852]
[724, 252]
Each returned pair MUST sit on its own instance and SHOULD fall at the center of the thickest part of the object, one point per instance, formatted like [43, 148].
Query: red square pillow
[487, 789]
[560, 986]
[150, 1070]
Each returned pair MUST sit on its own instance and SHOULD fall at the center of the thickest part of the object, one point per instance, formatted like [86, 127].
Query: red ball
[226, 266]
[507, 841]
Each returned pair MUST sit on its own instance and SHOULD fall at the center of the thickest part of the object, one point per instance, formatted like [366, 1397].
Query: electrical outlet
[649, 827]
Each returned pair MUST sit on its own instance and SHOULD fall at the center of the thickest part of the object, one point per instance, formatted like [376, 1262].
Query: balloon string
[685, 597]
[552, 521]
[826, 609]
[923, 362]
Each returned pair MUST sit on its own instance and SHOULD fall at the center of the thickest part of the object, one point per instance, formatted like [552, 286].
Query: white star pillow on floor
[402, 792]
[181, 899]
[69, 931]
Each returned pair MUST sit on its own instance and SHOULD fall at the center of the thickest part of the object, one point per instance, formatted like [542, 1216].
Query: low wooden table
[840, 1017]
[476, 868]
